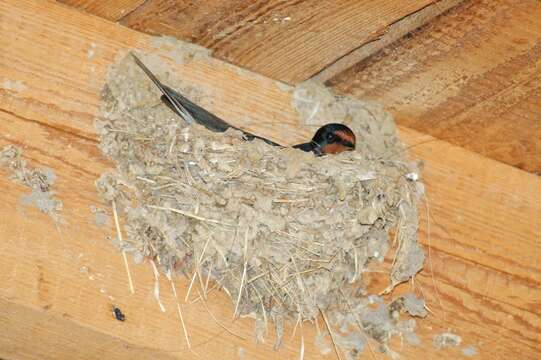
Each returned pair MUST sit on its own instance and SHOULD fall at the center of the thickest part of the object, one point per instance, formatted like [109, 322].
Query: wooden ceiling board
[285, 40]
[112, 10]
[472, 77]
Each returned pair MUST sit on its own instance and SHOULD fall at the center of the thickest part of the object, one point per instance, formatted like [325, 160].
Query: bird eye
[330, 137]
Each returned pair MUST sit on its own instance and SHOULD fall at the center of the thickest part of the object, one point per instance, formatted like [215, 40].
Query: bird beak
[317, 150]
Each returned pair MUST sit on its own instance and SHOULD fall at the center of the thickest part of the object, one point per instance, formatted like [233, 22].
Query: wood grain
[394, 31]
[59, 282]
[112, 10]
[472, 77]
[285, 40]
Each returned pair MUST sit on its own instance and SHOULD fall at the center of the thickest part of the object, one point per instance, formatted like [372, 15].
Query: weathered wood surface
[113, 10]
[289, 41]
[393, 32]
[472, 77]
[56, 281]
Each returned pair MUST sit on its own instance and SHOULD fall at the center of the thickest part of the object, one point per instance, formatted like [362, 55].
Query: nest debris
[446, 339]
[39, 180]
[285, 234]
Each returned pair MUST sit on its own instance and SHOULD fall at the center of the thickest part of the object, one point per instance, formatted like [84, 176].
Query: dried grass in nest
[285, 234]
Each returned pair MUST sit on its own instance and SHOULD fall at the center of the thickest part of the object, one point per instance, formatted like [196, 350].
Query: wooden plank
[394, 32]
[56, 281]
[472, 77]
[112, 10]
[289, 41]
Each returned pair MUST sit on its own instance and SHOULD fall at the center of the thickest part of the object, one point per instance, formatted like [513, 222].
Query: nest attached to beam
[284, 233]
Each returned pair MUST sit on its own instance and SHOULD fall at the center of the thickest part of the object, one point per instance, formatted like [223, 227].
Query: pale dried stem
[187, 214]
[124, 258]
[179, 311]
[336, 349]
[216, 320]
[241, 287]
[157, 285]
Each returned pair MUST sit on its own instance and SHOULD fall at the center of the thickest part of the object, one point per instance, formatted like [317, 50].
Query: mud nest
[285, 234]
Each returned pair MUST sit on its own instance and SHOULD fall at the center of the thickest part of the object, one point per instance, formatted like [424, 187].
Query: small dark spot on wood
[117, 313]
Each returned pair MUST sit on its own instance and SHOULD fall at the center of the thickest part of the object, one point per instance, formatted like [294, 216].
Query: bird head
[333, 139]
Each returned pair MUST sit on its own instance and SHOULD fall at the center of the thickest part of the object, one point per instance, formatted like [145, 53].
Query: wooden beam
[395, 31]
[112, 10]
[288, 41]
[60, 281]
[472, 77]
[212, 24]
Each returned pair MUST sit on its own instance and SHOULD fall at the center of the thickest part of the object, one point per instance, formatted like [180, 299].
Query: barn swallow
[329, 139]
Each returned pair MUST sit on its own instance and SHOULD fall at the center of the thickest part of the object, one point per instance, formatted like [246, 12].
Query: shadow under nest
[285, 234]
